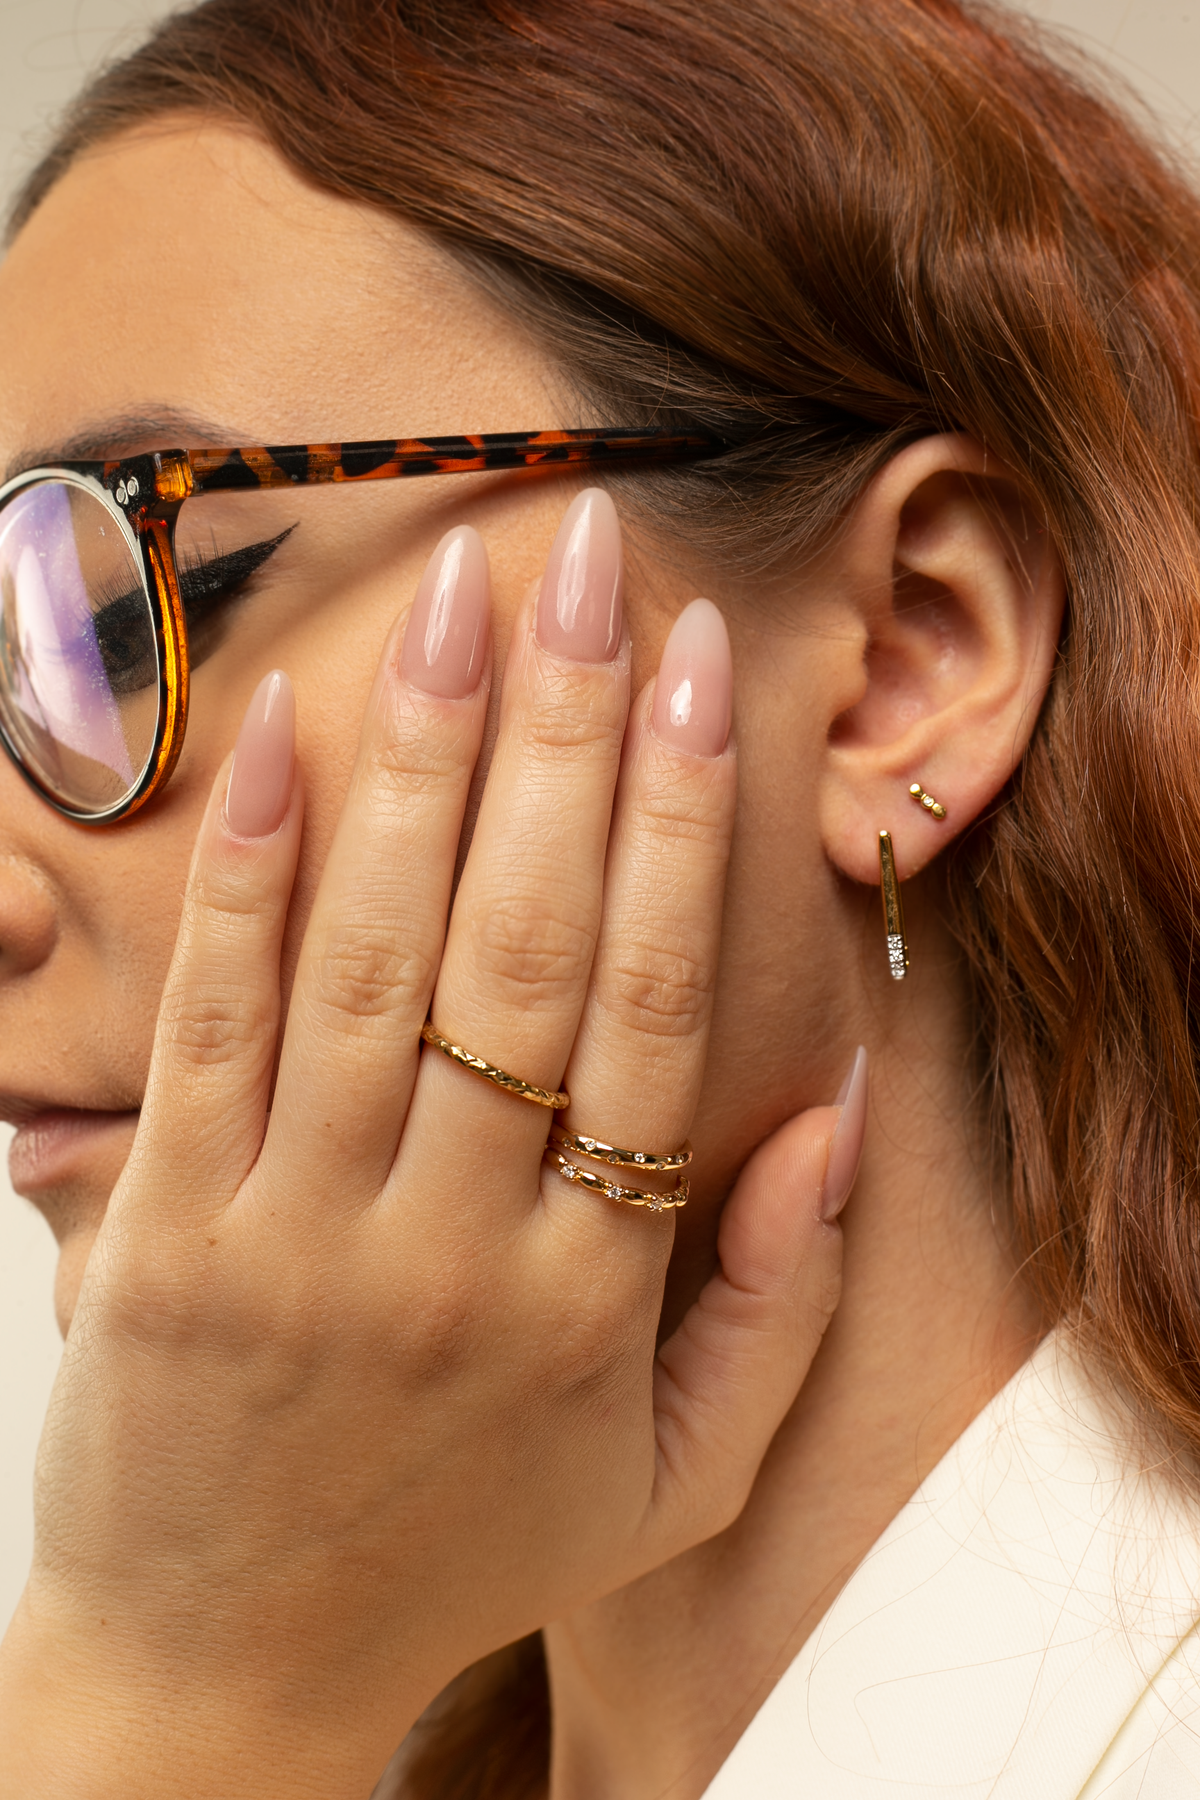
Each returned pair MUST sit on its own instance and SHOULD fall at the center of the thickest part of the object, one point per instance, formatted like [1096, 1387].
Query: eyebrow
[127, 434]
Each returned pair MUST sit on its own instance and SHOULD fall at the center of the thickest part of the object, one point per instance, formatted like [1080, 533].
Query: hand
[358, 1388]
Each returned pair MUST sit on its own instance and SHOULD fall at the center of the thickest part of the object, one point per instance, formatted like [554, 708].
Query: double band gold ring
[656, 1160]
[613, 1190]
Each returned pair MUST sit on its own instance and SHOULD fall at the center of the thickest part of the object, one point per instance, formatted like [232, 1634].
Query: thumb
[725, 1380]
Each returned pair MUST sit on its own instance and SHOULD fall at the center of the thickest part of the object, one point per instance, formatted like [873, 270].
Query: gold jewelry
[621, 1159]
[927, 801]
[893, 916]
[599, 1184]
[512, 1084]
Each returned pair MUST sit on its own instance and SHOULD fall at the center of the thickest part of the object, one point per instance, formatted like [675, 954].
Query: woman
[359, 1389]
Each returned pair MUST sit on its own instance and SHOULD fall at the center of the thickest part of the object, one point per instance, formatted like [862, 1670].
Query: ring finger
[635, 1070]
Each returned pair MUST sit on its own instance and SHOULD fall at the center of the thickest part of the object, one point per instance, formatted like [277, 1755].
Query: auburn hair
[824, 228]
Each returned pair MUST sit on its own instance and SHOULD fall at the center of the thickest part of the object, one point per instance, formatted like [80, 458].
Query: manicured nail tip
[693, 696]
[445, 639]
[579, 605]
[845, 1150]
[854, 1073]
[260, 781]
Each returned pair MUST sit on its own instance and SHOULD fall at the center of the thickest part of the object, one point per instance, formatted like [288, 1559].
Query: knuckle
[415, 766]
[213, 1027]
[360, 974]
[534, 953]
[546, 734]
[591, 1361]
[567, 715]
[656, 990]
[821, 1302]
[684, 813]
[230, 895]
[440, 1337]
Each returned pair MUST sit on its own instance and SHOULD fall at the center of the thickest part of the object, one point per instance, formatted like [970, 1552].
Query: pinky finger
[727, 1377]
[210, 1071]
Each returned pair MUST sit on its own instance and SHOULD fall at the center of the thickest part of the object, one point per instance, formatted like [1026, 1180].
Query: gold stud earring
[893, 916]
[927, 801]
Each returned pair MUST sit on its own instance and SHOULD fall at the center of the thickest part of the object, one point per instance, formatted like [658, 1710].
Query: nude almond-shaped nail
[845, 1152]
[579, 606]
[260, 781]
[693, 696]
[445, 640]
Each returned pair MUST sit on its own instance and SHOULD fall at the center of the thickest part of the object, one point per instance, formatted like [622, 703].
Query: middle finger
[527, 915]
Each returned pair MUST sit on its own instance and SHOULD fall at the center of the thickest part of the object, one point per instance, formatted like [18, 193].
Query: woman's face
[182, 287]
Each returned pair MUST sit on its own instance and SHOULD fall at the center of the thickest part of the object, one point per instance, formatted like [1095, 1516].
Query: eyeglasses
[93, 635]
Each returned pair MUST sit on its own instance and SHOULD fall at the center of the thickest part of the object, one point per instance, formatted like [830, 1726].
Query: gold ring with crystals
[621, 1159]
[612, 1190]
[512, 1084]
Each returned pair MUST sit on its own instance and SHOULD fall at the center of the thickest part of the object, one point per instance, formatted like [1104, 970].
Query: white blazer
[1025, 1629]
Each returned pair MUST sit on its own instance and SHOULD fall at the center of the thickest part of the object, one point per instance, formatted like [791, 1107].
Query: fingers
[527, 913]
[371, 950]
[210, 1071]
[725, 1380]
[635, 1071]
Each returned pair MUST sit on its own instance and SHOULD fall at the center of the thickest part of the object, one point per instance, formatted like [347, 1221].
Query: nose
[28, 918]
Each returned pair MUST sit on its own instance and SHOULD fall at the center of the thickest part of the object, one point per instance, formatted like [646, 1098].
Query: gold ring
[512, 1084]
[598, 1184]
[621, 1159]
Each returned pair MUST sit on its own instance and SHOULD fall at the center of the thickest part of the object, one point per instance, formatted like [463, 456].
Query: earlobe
[958, 591]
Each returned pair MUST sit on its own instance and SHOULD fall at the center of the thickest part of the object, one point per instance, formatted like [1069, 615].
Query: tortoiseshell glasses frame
[144, 495]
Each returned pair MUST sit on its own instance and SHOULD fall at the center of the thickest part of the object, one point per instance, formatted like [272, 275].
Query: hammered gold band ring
[613, 1190]
[620, 1159]
[512, 1084]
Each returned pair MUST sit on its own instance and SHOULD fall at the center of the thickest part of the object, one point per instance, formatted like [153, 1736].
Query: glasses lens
[78, 653]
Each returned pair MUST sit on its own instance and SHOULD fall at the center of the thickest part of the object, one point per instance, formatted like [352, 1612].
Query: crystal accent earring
[893, 916]
[927, 801]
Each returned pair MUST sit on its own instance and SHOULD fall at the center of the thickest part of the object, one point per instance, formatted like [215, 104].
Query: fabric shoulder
[1156, 1753]
[1020, 1615]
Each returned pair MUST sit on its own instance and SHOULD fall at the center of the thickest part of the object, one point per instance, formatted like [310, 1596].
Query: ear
[955, 595]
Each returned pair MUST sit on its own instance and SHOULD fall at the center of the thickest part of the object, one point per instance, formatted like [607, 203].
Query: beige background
[46, 47]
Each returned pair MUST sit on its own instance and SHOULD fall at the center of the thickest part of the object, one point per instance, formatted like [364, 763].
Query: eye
[125, 638]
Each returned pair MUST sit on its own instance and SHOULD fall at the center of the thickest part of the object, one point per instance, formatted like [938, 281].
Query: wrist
[76, 1724]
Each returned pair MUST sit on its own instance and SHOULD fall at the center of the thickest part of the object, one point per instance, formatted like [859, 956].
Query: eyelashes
[206, 583]
[207, 586]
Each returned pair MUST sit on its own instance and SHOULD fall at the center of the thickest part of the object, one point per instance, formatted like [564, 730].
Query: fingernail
[579, 607]
[846, 1147]
[693, 696]
[446, 635]
[260, 781]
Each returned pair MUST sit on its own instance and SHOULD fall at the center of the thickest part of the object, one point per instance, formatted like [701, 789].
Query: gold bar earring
[893, 915]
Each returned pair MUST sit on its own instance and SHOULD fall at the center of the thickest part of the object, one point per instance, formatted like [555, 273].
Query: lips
[52, 1145]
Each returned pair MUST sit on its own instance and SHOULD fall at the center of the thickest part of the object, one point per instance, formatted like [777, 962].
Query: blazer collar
[996, 1636]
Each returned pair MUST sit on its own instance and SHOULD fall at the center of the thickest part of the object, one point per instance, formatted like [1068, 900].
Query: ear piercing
[893, 916]
[927, 801]
[889, 887]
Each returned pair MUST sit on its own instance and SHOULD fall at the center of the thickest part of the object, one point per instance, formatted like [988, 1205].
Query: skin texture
[917, 647]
